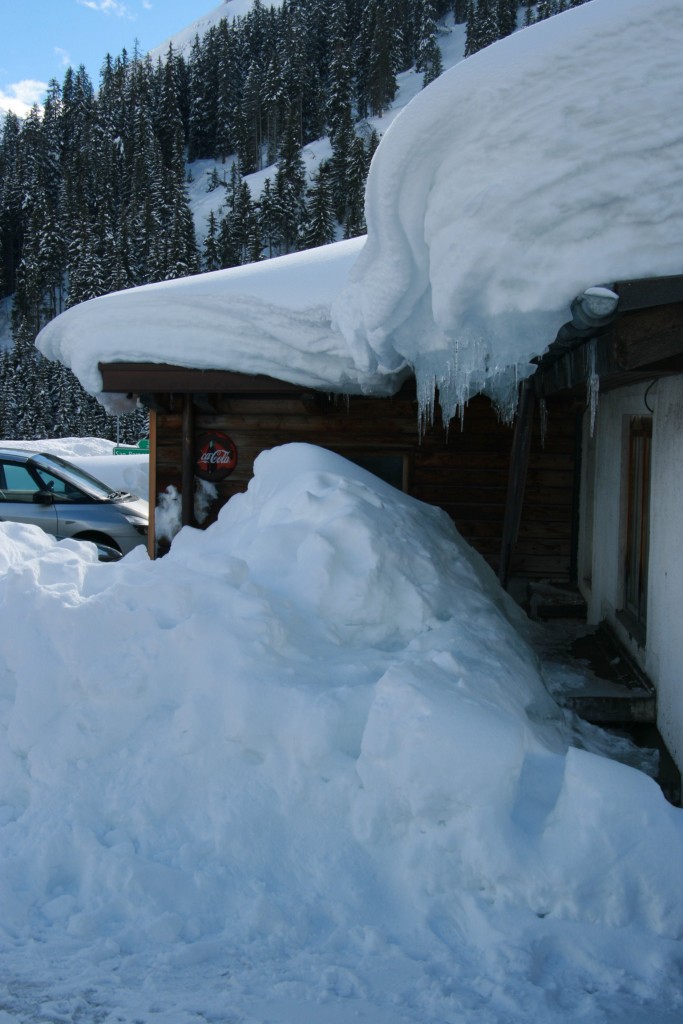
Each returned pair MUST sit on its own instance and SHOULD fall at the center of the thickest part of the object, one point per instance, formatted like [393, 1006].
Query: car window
[86, 483]
[20, 485]
[61, 490]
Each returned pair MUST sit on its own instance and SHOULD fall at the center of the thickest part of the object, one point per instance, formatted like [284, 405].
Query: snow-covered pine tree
[354, 221]
[11, 215]
[210, 252]
[320, 227]
[290, 184]
[339, 87]
[227, 90]
[428, 55]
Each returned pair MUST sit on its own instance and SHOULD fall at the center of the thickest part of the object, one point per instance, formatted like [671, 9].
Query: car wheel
[107, 549]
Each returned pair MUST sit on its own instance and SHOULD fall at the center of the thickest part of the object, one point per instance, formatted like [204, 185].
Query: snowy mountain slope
[182, 41]
[410, 83]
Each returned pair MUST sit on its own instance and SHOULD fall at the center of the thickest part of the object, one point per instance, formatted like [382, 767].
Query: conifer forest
[93, 184]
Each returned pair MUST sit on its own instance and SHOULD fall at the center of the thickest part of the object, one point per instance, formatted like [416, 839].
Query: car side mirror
[43, 497]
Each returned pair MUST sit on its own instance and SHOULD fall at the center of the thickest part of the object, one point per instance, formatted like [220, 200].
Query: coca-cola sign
[216, 456]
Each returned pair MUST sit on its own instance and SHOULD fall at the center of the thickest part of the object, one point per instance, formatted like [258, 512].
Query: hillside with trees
[93, 185]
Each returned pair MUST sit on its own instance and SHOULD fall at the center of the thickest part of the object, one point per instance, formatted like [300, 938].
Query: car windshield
[75, 476]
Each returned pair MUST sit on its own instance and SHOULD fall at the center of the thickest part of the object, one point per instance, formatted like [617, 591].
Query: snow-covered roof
[271, 318]
[547, 163]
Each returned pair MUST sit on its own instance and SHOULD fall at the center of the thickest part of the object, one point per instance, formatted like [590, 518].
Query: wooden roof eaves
[645, 341]
[149, 378]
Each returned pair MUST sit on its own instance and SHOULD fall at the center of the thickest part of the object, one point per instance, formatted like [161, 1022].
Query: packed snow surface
[305, 768]
[545, 164]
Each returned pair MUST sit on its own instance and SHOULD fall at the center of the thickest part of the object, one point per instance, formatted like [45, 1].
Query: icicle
[426, 400]
[458, 372]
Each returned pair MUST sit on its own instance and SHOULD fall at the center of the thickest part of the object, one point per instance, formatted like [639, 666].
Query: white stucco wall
[664, 647]
[602, 536]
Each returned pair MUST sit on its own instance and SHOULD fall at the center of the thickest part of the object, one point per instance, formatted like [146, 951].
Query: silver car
[46, 491]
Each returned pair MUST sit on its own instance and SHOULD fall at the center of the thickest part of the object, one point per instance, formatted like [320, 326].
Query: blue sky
[40, 38]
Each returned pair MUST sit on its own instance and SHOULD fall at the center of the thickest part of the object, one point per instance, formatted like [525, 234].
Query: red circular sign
[216, 456]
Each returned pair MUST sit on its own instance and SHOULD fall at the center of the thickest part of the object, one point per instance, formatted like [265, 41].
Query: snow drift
[316, 721]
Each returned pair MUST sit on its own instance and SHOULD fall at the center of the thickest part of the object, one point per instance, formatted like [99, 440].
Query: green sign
[141, 448]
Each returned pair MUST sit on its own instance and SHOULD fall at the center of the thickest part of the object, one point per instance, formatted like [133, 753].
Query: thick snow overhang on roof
[270, 318]
[545, 164]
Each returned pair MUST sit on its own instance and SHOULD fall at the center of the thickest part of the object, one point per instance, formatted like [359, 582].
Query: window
[390, 468]
[60, 489]
[19, 485]
[637, 526]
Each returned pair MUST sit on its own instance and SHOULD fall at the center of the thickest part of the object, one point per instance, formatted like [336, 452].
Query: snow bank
[314, 731]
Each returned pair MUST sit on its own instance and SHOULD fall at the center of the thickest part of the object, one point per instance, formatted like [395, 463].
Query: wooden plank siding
[547, 529]
[464, 470]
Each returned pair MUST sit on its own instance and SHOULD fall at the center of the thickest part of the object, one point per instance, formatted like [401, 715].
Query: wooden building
[513, 492]
[585, 489]
[464, 469]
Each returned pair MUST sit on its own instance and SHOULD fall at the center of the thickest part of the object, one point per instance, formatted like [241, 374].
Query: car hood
[134, 504]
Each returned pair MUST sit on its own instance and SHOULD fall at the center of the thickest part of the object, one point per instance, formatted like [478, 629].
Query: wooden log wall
[464, 470]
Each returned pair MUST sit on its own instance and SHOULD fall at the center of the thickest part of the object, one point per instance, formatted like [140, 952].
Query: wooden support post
[517, 473]
[152, 486]
[188, 462]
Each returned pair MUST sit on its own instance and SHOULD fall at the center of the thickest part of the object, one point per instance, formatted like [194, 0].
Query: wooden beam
[188, 462]
[146, 378]
[646, 292]
[648, 336]
[639, 346]
[152, 485]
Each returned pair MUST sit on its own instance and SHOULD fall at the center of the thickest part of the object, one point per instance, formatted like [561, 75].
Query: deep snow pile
[548, 163]
[311, 748]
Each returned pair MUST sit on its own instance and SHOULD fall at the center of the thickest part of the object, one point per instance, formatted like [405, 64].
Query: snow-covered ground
[305, 769]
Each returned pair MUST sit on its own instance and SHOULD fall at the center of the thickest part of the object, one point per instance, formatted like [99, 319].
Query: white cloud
[106, 7]
[64, 58]
[19, 97]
